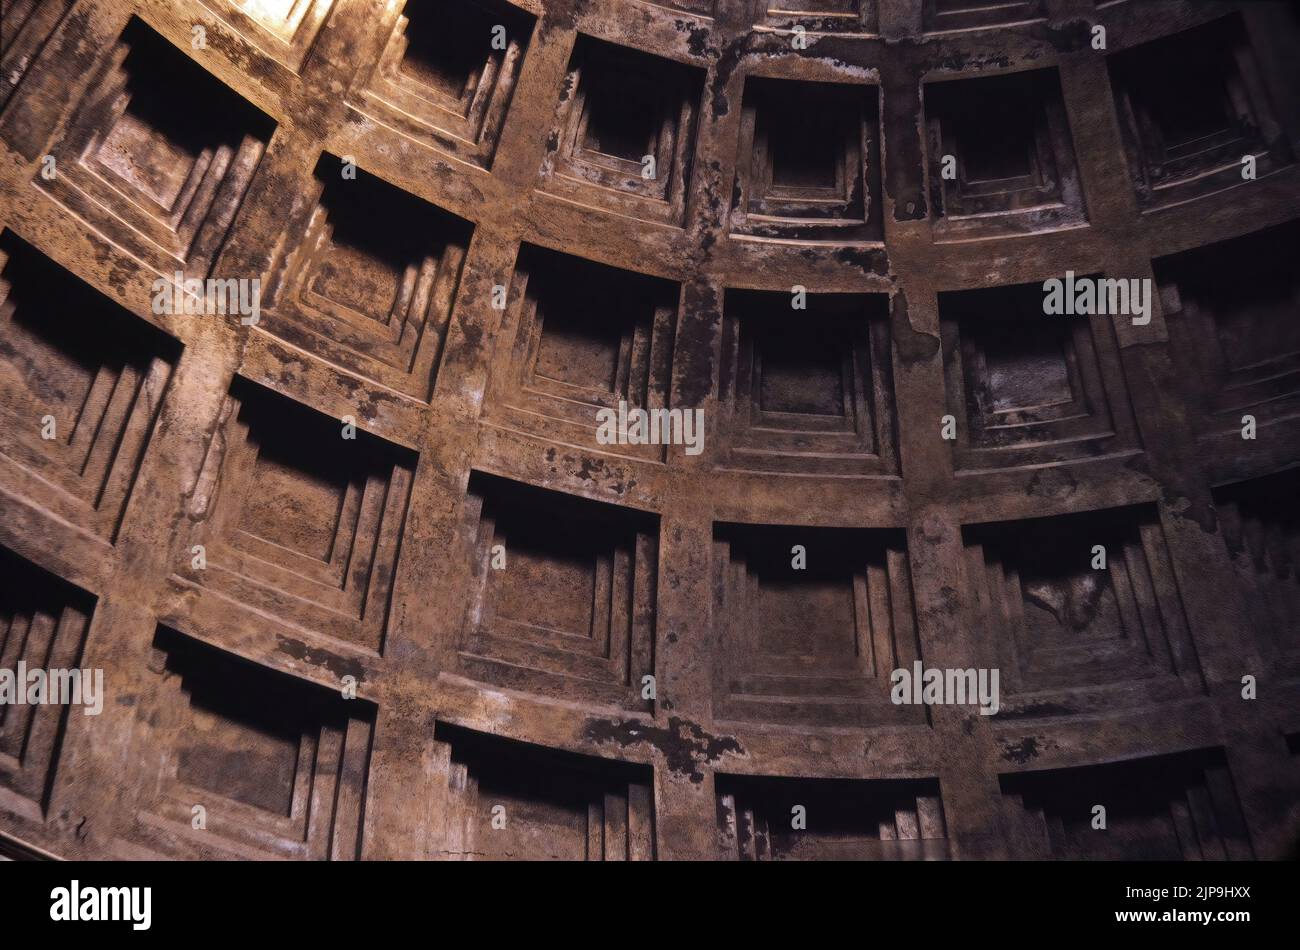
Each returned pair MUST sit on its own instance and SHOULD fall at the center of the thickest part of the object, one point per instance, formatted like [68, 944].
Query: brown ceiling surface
[364, 581]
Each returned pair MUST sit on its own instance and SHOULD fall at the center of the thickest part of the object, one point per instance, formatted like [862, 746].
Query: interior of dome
[366, 578]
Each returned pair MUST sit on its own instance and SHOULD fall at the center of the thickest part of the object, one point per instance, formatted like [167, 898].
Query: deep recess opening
[1053, 560]
[538, 772]
[801, 373]
[991, 123]
[805, 145]
[447, 44]
[1002, 148]
[555, 544]
[1179, 106]
[805, 150]
[587, 312]
[171, 93]
[378, 232]
[1026, 364]
[253, 720]
[1181, 83]
[304, 470]
[621, 119]
[1018, 358]
[630, 98]
[1274, 500]
[844, 817]
[39, 289]
[801, 370]
[1143, 799]
[1254, 313]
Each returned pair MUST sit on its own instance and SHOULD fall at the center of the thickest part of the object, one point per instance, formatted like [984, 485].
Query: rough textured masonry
[310, 311]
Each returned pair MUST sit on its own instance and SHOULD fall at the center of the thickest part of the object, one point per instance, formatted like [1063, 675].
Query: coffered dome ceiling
[542, 429]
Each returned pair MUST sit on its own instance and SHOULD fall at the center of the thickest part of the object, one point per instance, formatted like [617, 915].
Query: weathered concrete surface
[365, 582]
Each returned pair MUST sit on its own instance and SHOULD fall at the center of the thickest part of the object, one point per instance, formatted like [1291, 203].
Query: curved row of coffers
[979, 147]
[309, 551]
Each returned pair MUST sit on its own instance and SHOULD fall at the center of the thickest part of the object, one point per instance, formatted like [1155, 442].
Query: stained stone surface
[363, 578]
